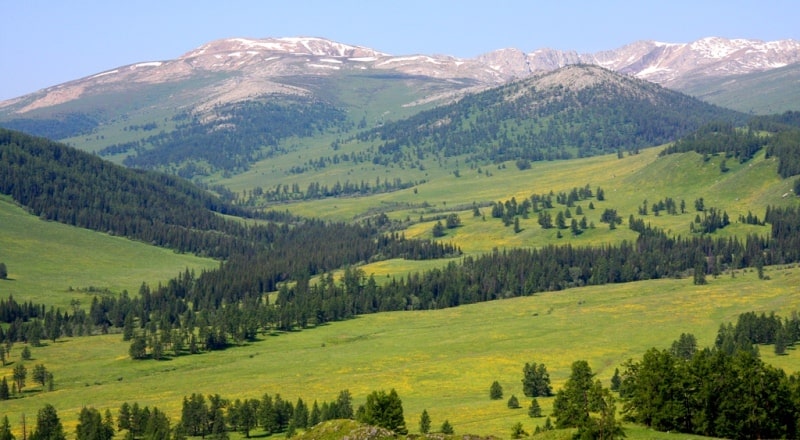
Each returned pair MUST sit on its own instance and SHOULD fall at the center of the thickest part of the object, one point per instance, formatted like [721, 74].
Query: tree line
[315, 190]
[228, 305]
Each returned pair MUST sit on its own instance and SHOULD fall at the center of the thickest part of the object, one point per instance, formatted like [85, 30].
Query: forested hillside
[230, 137]
[577, 111]
[63, 184]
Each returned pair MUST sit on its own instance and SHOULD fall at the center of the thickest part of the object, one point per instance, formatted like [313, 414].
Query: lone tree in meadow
[496, 391]
[20, 373]
[3, 271]
[424, 422]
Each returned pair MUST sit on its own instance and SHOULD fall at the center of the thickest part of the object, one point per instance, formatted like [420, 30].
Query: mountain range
[228, 104]
[239, 68]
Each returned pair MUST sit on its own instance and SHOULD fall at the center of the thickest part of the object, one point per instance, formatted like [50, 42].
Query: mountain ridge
[257, 65]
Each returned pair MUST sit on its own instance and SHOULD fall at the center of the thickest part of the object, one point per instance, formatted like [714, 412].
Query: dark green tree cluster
[215, 416]
[143, 422]
[536, 380]
[752, 329]
[712, 393]
[259, 196]
[720, 137]
[542, 204]
[93, 426]
[385, 410]
[712, 220]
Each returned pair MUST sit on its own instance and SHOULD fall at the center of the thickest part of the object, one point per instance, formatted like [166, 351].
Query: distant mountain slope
[576, 111]
[766, 92]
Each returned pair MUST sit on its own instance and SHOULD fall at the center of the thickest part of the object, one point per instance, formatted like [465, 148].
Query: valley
[298, 217]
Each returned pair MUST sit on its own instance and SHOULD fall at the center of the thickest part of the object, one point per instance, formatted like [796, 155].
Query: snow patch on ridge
[110, 72]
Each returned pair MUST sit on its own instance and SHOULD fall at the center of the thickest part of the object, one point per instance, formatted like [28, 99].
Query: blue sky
[45, 42]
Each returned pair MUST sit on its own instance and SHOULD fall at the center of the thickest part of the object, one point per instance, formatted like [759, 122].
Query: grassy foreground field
[442, 361]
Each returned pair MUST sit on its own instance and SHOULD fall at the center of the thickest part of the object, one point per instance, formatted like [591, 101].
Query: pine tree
[424, 422]
[5, 430]
[447, 428]
[384, 410]
[534, 410]
[4, 391]
[517, 431]
[496, 391]
[48, 425]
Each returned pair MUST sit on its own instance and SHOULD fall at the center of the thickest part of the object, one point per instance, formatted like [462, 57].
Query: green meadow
[46, 259]
[441, 360]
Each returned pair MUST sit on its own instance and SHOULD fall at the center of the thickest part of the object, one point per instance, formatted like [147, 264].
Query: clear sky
[48, 42]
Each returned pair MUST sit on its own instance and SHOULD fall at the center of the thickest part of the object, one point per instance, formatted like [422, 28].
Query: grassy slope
[763, 93]
[627, 183]
[45, 259]
[442, 361]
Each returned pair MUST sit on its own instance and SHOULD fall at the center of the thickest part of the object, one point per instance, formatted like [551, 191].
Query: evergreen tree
[138, 348]
[124, 417]
[616, 380]
[517, 431]
[685, 347]
[586, 405]
[384, 410]
[39, 374]
[5, 430]
[438, 229]
[534, 410]
[536, 380]
[496, 391]
[158, 427]
[3, 271]
[48, 425]
[91, 426]
[424, 422]
[5, 394]
[315, 416]
[447, 428]
[26, 353]
[513, 402]
[344, 405]
[20, 373]
[300, 415]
